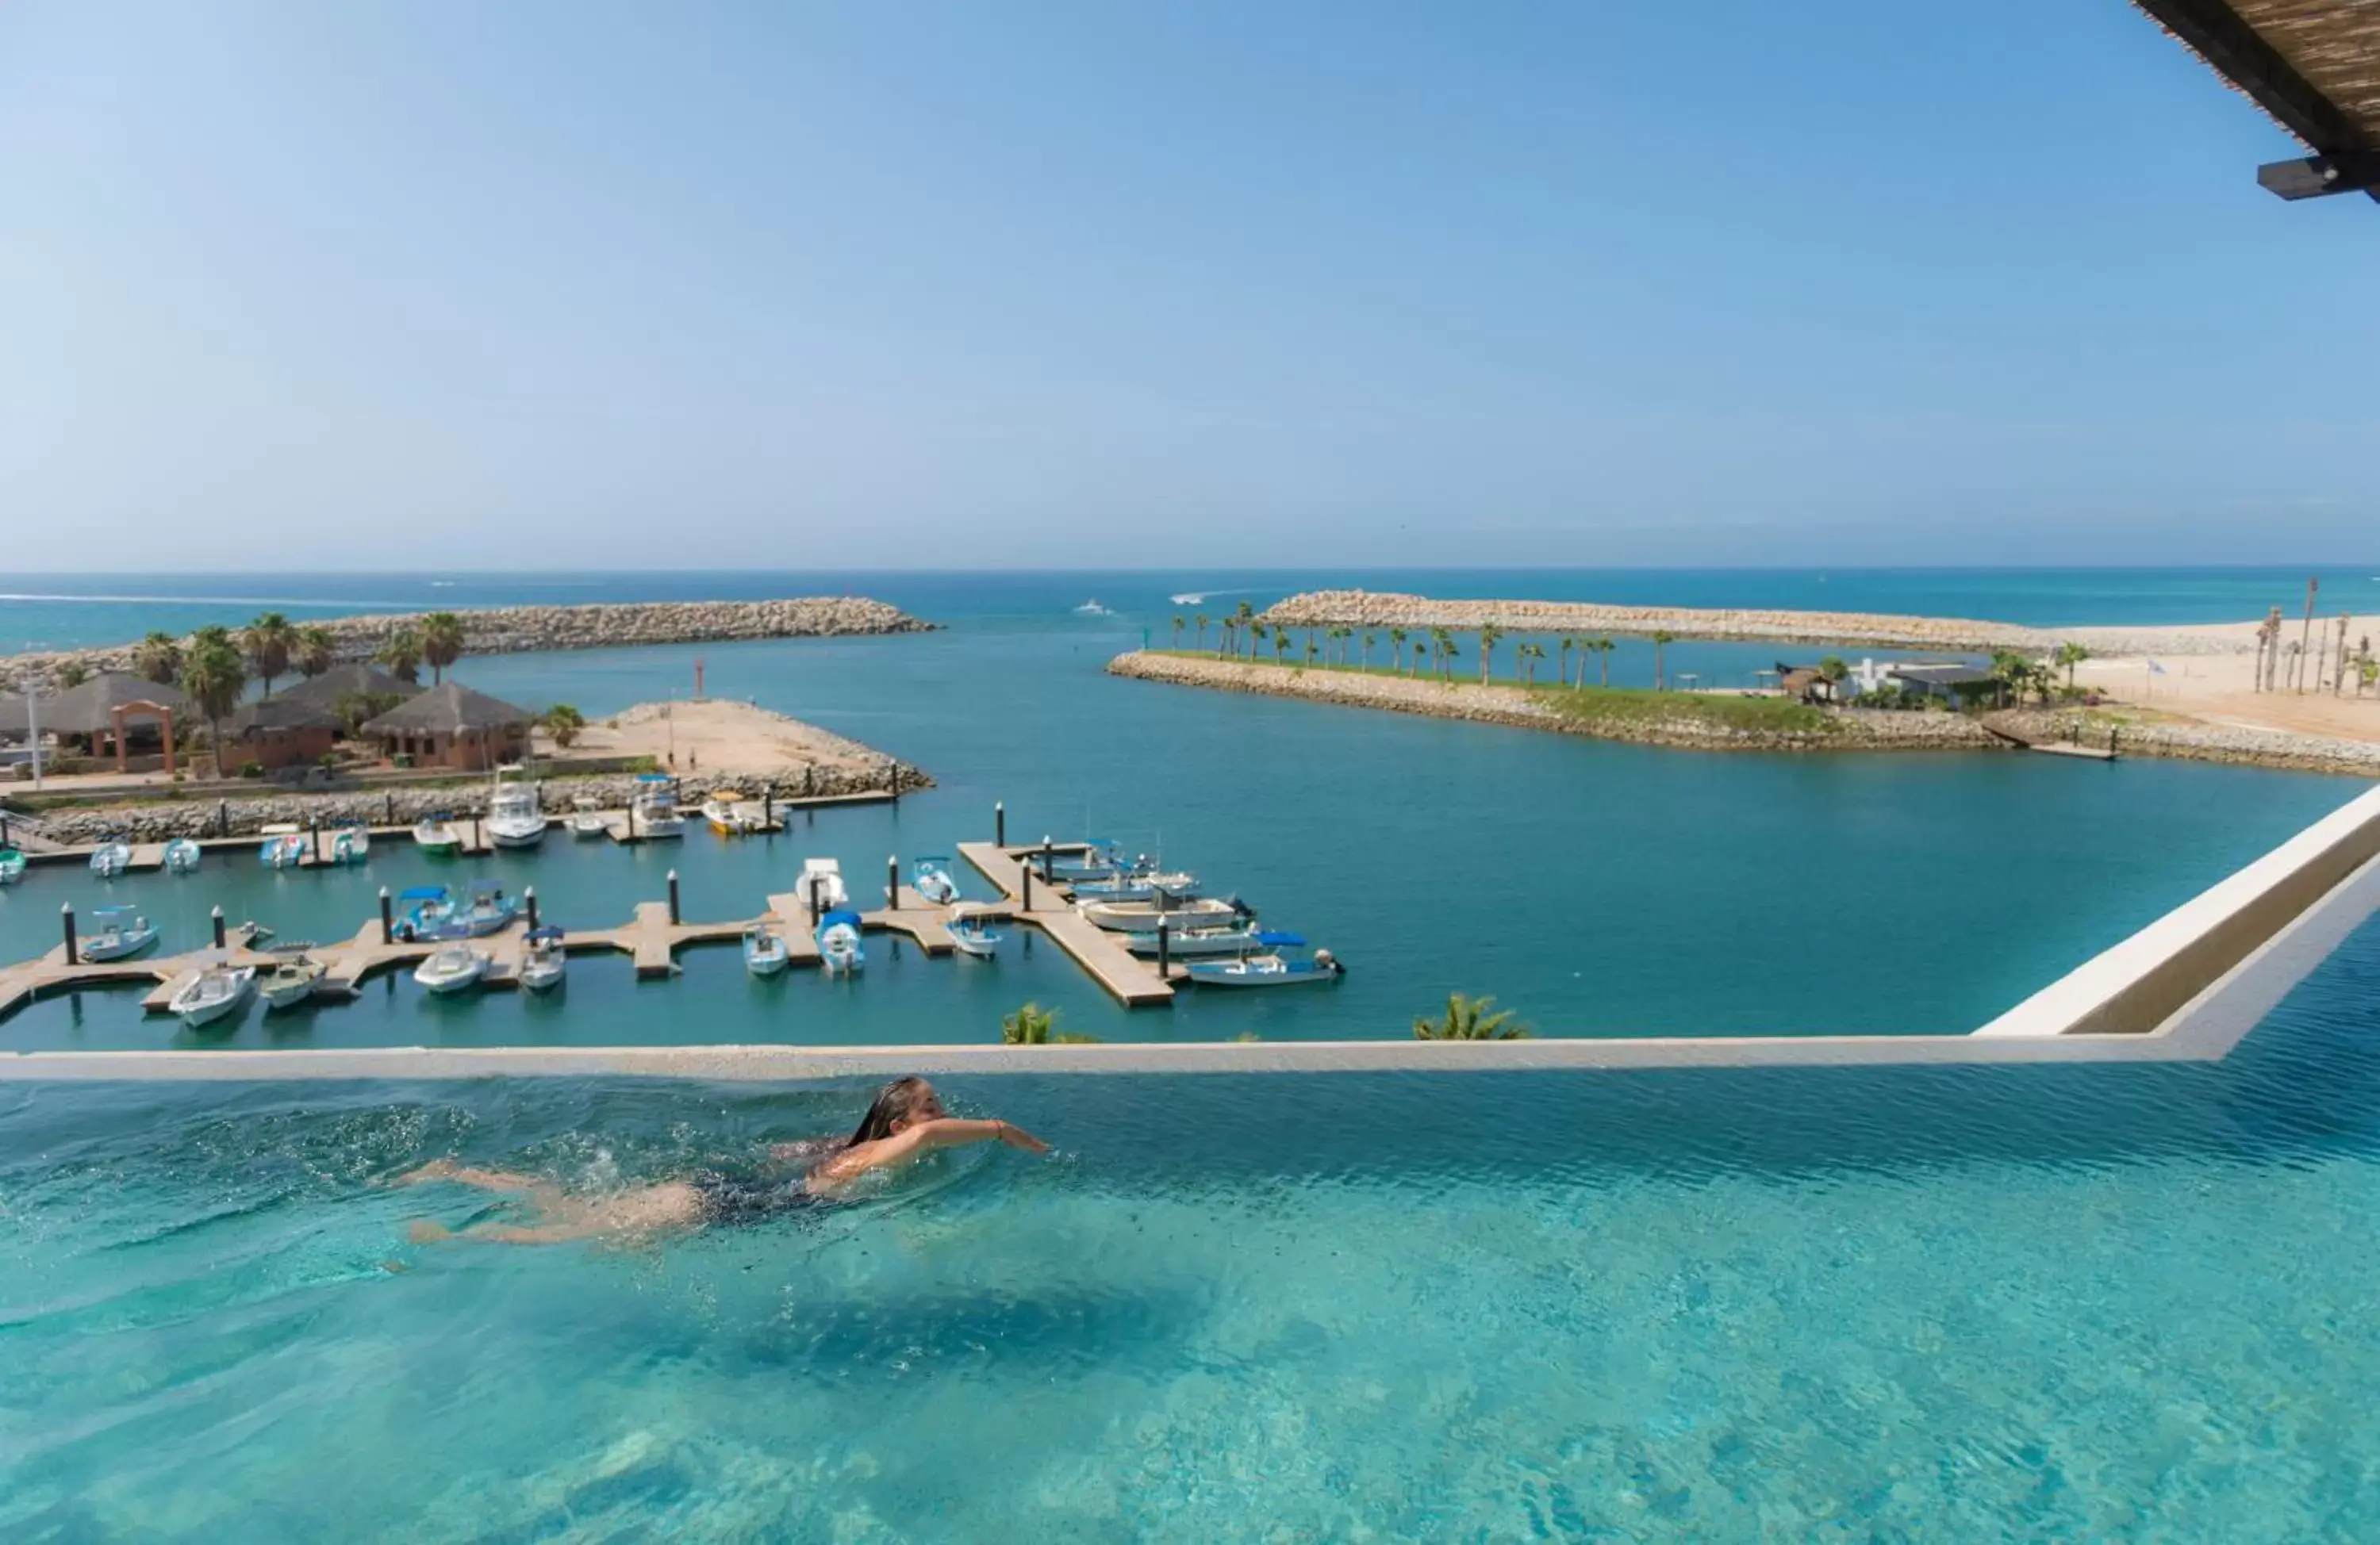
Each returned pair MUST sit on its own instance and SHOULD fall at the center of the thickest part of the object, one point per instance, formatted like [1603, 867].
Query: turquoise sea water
[2036, 1303]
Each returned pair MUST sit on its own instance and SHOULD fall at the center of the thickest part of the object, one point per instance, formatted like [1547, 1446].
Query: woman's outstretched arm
[949, 1132]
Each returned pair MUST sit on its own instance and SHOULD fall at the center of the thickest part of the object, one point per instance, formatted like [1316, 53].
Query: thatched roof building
[453, 726]
[90, 709]
[2313, 65]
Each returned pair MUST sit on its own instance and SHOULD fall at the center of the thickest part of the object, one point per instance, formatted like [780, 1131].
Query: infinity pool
[1947, 1304]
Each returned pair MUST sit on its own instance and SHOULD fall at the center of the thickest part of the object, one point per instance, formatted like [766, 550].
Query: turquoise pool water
[2084, 1302]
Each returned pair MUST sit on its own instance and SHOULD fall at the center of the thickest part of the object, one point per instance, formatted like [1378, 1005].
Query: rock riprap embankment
[1381, 610]
[1496, 704]
[513, 630]
[2243, 745]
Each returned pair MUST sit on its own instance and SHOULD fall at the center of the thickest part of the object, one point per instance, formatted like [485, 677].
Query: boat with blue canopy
[111, 858]
[283, 847]
[487, 912]
[930, 878]
[838, 941]
[432, 907]
[121, 932]
[1193, 943]
[1266, 970]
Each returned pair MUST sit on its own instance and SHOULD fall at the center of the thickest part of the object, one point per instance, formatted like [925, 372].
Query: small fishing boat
[437, 836]
[1197, 943]
[351, 844]
[488, 910]
[838, 941]
[1093, 608]
[433, 909]
[541, 960]
[291, 981]
[1142, 917]
[764, 951]
[214, 993]
[1266, 970]
[515, 818]
[974, 935]
[284, 846]
[181, 856]
[821, 886]
[586, 817]
[930, 878]
[451, 968]
[728, 815]
[654, 812]
[1098, 859]
[111, 858]
[12, 866]
[1138, 886]
[121, 932]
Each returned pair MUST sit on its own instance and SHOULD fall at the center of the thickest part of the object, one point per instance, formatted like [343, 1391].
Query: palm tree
[1177, 632]
[316, 650]
[72, 674]
[563, 723]
[402, 654]
[2014, 671]
[1246, 614]
[1468, 1019]
[1453, 651]
[1567, 644]
[1309, 645]
[1530, 655]
[1033, 1025]
[159, 659]
[1257, 632]
[1832, 671]
[1441, 647]
[1202, 621]
[1603, 647]
[1280, 645]
[2069, 656]
[442, 643]
[1489, 636]
[1397, 647]
[268, 640]
[1660, 673]
[213, 675]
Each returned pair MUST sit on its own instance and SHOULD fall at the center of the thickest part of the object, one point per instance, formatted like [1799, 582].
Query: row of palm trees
[1243, 634]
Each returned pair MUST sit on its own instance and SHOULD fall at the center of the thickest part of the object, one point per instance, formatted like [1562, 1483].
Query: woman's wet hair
[893, 1103]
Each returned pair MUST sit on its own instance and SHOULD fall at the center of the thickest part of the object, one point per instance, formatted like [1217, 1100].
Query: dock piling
[316, 826]
[529, 897]
[222, 817]
[216, 921]
[1026, 869]
[388, 810]
[892, 882]
[672, 884]
[1165, 948]
[66, 912]
[998, 824]
[769, 806]
[1049, 864]
[814, 902]
[387, 921]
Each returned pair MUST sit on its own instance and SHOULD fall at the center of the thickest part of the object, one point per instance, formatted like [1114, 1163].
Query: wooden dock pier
[1132, 980]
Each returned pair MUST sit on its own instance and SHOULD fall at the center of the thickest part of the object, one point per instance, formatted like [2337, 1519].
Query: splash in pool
[904, 1123]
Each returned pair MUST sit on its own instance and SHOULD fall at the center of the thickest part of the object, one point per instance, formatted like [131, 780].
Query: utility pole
[2305, 634]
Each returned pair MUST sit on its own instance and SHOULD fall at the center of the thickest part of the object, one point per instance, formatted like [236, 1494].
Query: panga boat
[488, 909]
[515, 819]
[1265, 971]
[451, 968]
[764, 951]
[1142, 917]
[214, 993]
[109, 859]
[1198, 942]
[653, 814]
[351, 844]
[12, 866]
[1138, 886]
[586, 817]
[284, 846]
[437, 836]
[821, 886]
[838, 941]
[121, 932]
[542, 960]
[431, 911]
[291, 981]
[181, 856]
[930, 878]
[974, 935]
[728, 815]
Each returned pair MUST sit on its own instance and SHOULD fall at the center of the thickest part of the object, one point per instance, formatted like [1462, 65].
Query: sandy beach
[2208, 671]
[717, 736]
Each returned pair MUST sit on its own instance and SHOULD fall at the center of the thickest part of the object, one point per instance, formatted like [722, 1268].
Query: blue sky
[933, 284]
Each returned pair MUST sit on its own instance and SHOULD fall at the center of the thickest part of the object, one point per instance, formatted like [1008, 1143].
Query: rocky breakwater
[1691, 720]
[1366, 609]
[158, 821]
[2241, 745]
[513, 630]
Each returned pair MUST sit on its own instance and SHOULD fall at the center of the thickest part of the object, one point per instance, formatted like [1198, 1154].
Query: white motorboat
[284, 846]
[110, 858]
[214, 993]
[930, 878]
[437, 836]
[586, 817]
[821, 887]
[1138, 886]
[12, 865]
[291, 981]
[976, 937]
[653, 814]
[515, 819]
[543, 961]
[451, 968]
[729, 815]
[764, 951]
[1142, 917]
[122, 932]
[1199, 943]
[351, 845]
[838, 941]
[1266, 970]
[182, 856]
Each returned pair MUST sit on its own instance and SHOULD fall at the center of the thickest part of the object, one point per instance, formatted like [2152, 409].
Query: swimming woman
[905, 1122]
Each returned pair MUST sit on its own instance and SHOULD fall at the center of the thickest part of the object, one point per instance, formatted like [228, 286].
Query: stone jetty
[1366, 609]
[513, 629]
